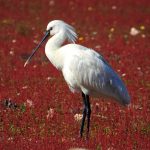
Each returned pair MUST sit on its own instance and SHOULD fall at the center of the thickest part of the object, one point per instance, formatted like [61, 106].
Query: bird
[84, 70]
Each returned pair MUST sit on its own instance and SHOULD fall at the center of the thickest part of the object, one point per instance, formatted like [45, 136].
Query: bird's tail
[122, 94]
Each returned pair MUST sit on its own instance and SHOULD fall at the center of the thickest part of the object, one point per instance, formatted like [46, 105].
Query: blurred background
[47, 117]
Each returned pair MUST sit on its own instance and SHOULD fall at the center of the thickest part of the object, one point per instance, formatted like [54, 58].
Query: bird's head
[57, 26]
[54, 27]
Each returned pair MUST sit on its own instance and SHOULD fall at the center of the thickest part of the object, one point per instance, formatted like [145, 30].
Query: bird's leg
[88, 113]
[84, 114]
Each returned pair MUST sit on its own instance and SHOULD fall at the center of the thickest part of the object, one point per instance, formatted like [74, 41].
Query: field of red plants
[48, 114]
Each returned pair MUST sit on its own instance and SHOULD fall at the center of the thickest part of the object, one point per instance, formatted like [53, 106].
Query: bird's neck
[55, 42]
[52, 49]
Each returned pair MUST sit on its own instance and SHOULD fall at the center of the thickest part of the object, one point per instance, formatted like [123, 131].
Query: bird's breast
[55, 58]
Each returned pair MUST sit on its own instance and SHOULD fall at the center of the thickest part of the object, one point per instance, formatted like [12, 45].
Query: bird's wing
[93, 72]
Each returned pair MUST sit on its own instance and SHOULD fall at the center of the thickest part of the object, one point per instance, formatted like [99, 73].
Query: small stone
[104, 117]
[25, 87]
[97, 46]
[94, 32]
[49, 78]
[110, 36]
[142, 27]
[10, 139]
[97, 106]
[123, 75]
[143, 36]
[34, 66]
[90, 8]
[52, 3]
[18, 94]
[126, 36]
[11, 53]
[81, 38]
[33, 28]
[134, 31]
[138, 68]
[78, 117]
[114, 7]
[13, 41]
[35, 41]
[29, 103]
[50, 113]
[112, 29]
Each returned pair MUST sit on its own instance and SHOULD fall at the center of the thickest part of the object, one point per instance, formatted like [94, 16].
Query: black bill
[34, 50]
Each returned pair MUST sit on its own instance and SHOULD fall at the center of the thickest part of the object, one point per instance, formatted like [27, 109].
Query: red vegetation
[45, 118]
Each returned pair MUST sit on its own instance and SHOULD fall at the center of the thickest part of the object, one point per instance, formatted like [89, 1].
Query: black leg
[86, 112]
[84, 115]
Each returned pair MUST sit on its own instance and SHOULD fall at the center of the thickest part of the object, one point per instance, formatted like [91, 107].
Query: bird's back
[87, 71]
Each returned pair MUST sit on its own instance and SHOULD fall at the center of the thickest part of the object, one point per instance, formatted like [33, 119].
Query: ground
[48, 116]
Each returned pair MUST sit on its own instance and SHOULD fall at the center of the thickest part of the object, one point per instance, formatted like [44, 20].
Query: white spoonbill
[84, 69]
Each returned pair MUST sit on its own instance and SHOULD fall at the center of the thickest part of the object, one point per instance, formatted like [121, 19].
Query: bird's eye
[50, 29]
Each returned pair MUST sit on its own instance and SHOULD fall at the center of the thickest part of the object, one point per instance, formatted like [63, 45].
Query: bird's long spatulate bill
[34, 50]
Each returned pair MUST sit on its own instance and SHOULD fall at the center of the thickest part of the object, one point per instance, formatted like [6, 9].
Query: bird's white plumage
[83, 69]
[65, 29]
